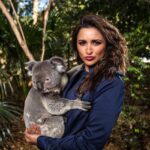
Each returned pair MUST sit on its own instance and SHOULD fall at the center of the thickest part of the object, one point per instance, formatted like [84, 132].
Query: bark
[16, 31]
[35, 11]
[18, 22]
[45, 20]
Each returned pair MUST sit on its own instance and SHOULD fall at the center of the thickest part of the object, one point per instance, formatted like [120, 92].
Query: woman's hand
[32, 133]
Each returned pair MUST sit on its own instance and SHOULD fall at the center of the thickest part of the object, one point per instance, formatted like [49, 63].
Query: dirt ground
[19, 142]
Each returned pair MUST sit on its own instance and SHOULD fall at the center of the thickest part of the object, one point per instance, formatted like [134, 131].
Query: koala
[43, 104]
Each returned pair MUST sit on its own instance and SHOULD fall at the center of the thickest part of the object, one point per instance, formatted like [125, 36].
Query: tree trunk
[45, 20]
[16, 31]
[35, 11]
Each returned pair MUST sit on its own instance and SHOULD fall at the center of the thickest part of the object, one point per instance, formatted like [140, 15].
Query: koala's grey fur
[43, 104]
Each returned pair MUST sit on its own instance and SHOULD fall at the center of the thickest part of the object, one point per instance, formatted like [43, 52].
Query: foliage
[132, 130]
[131, 17]
[9, 71]
[8, 115]
[9, 111]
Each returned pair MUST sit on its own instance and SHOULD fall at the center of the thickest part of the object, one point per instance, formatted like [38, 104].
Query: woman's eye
[82, 43]
[96, 42]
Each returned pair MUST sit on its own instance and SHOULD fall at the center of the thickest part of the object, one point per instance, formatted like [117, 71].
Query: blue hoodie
[88, 130]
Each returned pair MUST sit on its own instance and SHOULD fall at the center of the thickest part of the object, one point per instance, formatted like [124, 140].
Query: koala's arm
[60, 106]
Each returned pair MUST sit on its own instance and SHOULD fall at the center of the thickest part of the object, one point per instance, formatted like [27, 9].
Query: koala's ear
[29, 65]
[58, 63]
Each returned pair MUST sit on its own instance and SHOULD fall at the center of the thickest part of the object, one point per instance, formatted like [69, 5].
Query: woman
[102, 49]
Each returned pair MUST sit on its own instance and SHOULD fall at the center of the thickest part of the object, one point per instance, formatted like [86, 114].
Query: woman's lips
[89, 58]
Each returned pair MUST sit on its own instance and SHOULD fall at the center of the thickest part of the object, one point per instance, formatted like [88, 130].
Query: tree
[17, 30]
[131, 17]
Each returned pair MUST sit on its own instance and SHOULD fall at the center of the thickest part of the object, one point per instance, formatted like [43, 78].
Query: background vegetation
[132, 17]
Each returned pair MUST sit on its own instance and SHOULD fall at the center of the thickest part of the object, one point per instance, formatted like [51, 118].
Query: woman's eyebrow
[97, 40]
[81, 40]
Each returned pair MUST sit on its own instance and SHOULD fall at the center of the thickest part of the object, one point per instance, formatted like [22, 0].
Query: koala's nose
[39, 85]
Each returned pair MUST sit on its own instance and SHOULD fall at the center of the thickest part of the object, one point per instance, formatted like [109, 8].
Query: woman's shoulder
[117, 80]
[114, 85]
[74, 70]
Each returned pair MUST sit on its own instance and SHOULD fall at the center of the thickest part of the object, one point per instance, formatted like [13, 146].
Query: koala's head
[47, 75]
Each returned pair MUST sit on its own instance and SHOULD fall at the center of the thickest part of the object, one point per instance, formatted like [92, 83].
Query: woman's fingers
[34, 129]
[31, 138]
[32, 133]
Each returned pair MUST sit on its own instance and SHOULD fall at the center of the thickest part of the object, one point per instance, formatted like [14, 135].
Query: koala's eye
[47, 79]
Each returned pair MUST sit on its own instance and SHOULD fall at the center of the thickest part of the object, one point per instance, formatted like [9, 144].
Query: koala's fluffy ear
[58, 63]
[29, 65]
[64, 81]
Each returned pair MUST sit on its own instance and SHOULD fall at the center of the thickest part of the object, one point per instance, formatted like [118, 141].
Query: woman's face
[91, 46]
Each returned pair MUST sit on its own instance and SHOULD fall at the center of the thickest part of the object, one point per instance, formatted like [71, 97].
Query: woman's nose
[89, 49]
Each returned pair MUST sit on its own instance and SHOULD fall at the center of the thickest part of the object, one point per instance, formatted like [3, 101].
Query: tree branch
[35, 11]
[18, 22]
[46, 14]
[45, 19]
[17, 33]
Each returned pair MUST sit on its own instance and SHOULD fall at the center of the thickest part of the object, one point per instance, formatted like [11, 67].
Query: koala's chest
[35, 109]
[33, 103]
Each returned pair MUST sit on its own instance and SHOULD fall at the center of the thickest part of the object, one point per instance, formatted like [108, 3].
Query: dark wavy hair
[115, 57]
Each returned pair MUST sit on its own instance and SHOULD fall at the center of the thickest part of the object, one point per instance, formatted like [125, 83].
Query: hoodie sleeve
[105, 110]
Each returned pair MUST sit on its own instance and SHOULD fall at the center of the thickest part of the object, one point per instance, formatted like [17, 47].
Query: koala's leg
[53, 127]
[44, 117]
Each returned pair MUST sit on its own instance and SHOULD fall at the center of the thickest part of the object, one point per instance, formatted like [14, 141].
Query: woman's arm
[105, 110]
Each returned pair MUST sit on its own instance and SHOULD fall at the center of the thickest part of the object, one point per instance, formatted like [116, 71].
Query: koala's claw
[86, 106]
[83, 105]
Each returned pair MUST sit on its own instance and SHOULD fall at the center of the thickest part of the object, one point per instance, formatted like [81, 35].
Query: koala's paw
[83, 105]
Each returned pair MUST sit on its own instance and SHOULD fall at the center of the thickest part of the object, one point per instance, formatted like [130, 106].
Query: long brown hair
[115, 57]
